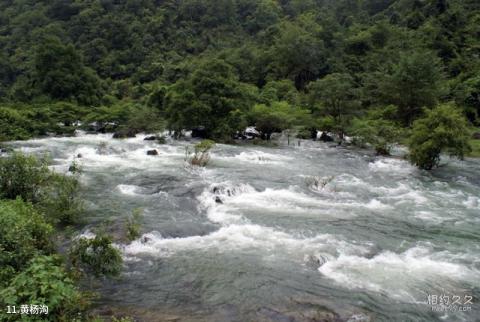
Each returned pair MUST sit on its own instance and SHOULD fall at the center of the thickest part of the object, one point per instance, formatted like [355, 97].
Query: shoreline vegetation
[373, 73]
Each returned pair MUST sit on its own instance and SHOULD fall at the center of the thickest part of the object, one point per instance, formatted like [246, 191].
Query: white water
[264, 229]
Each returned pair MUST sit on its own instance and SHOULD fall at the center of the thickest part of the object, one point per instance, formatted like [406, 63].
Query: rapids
[267, 234]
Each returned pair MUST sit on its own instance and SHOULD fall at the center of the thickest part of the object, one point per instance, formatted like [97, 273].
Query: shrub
[96, 256]
[133, 225]
[22, 176]
[201, 156]
[44, 282]
[60, 199]
[13, 125]
[380, 133]
[24, 234]
[29, 178]
[277, 117]
[443, 129]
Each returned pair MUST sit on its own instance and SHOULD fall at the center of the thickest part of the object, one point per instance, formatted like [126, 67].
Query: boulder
[79, 155]
[218, 200]
[199, 132]
[252, 133]
[124, 133]
[152, 152]
[476, 136]
[151, 138]
[326, 137]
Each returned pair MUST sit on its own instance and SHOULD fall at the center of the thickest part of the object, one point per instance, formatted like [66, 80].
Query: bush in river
[97, 256]
[60, 199]
[443, 129]
[202, 153]
[133, 225]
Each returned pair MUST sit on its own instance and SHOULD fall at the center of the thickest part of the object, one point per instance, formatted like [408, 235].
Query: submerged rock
[315, 261]
[218, 199]
[123, 134]
[151, 138]
[145, 239]
[152, 152]
[79, 155]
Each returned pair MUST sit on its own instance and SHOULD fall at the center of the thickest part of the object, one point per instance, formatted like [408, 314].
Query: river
[289, 233]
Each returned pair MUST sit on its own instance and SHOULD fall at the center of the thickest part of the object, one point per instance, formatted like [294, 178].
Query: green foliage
[23, 234]
[298, 51]
[97, 256]
[475, 153]
[23, 176]
[194, 63]
[60, 198]
[133, 225]
[413, 84]
[443, 129]
[59, 73]
[467, 94]
[13, 125]
[44, 282]
[208, 97]
[29, 178]
[334, 95]
[277, 117]
[382, 134]
[201, 156]
[377, 129]
[283, 90]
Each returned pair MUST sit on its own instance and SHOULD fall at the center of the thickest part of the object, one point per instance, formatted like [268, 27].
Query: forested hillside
[224, 64]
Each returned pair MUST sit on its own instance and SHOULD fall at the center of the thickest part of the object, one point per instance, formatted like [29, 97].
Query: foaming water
[261, 232]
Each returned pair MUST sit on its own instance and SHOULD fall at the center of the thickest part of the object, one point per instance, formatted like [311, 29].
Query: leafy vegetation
[33, 200]
[443, 129]
[224, 65]
[44, 282]
[97, 256]
[201, 156]
[30, 179]
[23, 233]
[133, 224]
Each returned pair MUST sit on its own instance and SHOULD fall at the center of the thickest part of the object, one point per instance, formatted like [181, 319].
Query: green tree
[443, 129]
[334, 95]
[207, 98]
[414, 83]
[376, 129]
[298, 52]
[59, 73]
[467, 95]
[277, 117]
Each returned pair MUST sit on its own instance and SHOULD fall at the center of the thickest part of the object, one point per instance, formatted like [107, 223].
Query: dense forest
[341, 66]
